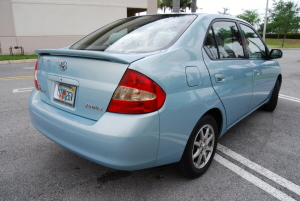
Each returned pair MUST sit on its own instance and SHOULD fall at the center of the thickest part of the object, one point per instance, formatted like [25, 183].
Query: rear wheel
[200, 148]
[271, 105]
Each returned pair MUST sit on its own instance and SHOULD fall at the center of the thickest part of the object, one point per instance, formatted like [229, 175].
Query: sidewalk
[18, 61]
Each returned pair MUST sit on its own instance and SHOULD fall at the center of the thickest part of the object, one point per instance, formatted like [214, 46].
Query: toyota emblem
[63, 65]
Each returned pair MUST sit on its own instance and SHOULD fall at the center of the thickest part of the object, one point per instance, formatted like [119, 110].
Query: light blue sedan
[151, 90]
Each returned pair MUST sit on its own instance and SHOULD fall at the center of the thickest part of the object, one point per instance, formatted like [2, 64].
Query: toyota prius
[151, 90]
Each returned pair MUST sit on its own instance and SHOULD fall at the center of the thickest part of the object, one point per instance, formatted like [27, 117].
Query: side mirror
[275, 54]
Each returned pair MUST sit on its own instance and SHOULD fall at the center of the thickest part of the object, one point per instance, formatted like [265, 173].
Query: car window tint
[137, 34]
[210, 45]
[228, 40]
[255, 47]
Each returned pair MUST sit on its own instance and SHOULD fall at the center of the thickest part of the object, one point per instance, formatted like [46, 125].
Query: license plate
[64, 94]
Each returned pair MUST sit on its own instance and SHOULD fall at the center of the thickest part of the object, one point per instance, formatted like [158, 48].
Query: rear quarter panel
[184, 105]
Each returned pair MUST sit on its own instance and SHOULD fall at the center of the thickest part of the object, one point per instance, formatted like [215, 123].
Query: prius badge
[63, 65]
[93, 107]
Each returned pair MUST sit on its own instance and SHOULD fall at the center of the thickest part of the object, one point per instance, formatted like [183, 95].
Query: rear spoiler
[123, 58]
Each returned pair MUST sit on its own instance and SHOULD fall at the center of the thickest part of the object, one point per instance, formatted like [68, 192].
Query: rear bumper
[119, 141]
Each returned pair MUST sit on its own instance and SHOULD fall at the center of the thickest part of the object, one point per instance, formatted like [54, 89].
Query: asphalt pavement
[258, 159]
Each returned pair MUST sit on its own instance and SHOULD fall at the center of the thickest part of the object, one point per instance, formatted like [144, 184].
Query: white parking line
[253, 179]
[29, 68]
[261, 170]
[22, 90]
[289, 98]
[244, 174]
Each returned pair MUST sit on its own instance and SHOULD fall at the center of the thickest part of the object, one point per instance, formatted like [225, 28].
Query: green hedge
[288, 36]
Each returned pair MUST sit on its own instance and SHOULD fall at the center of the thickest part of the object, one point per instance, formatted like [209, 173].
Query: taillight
[136, 94]
[36, 84]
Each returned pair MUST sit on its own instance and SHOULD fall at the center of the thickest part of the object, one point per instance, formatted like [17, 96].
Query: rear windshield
[137, 34]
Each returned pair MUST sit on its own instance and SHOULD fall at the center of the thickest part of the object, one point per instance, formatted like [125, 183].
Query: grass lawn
[288, 43]
[18, 57]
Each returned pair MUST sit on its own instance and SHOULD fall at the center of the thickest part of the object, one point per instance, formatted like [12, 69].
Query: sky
[235, 6]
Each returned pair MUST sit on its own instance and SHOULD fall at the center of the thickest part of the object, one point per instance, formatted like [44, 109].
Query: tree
[185, 4]
[269, 29]
[224, 11]
[297, 26]
[251, 16]
[164, 4]
[284, 17]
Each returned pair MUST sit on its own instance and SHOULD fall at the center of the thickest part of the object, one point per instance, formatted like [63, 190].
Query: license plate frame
[64, 94]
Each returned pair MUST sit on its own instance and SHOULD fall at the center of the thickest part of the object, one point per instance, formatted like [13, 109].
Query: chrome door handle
[256, 73]
[219, 78]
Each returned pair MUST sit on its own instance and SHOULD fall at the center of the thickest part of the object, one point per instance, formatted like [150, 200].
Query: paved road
[262, 163]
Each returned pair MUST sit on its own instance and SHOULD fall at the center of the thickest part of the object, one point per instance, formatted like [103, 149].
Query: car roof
[207, 16]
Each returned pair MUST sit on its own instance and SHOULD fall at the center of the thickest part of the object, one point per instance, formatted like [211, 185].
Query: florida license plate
[64, 94]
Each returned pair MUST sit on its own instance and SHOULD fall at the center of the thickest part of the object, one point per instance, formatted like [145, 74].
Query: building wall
[35, 24]
[7, 27]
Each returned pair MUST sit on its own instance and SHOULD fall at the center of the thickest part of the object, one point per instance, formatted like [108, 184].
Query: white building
[35, 24]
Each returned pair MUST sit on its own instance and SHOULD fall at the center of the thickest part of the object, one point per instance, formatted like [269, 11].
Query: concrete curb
[18, 61]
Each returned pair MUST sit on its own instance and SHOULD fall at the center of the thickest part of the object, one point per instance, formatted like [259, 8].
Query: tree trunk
[283, 39]
[285, 32]
[193, 6]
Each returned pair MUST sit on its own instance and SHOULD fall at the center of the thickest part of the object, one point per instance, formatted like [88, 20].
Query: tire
[200, 148]
[271, 105]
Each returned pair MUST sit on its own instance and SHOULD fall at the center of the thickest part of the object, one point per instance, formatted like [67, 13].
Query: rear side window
[255, 47]
[228, 41]
[137, 34]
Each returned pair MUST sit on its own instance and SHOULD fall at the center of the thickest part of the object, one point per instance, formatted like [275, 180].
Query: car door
[264, 69]
[230, 71]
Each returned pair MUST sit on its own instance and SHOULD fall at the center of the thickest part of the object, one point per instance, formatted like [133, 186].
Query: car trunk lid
[80, 82]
